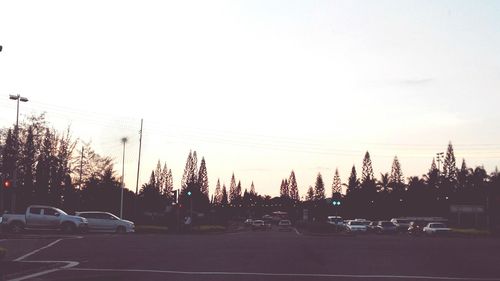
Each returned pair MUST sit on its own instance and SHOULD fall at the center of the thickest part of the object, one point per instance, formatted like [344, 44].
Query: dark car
[416, 227]
[372, 227]
[401, 224]
[386, 227]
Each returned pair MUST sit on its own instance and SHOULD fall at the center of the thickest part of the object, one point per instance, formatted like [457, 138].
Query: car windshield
[437, 225]
[61, 211]
[356, 223]
[387, 224]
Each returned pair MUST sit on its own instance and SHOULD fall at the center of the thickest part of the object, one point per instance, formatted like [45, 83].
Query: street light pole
[124, 141]
[18, 98]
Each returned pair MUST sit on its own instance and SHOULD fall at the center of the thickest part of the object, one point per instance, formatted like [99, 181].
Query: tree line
[48, 168]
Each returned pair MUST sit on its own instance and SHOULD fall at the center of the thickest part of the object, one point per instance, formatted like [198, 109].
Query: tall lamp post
[124, 141]
[17, 98]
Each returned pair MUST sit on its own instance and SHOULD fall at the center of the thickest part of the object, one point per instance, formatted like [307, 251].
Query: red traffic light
[6, 184]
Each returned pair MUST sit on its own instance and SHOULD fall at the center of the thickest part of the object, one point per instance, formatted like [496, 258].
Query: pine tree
[218, 193]
[319, 188]
[232, 190]
[194, 168]
[224, 200]
[396, 177]
[463, 176]
[310, 194]
[28, 167]
[353, 181]
[159, 179]
[337, 184]
[292, 187]
[367, 171]
[187, 172]
[238, 191]
[252, 189]
[284, 189]
[203, 177]
[449, 165]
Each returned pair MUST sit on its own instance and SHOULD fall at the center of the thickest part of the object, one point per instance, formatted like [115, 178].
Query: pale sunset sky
[260, 87]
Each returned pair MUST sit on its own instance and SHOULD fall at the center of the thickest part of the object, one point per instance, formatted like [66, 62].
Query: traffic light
[174, 193]
[336, 199]
[189, 193]
[7, 184]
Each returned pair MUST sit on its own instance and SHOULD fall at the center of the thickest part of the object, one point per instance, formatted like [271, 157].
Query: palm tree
[383, 183]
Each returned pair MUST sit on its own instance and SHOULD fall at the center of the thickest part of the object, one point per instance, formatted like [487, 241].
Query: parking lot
[254, 255]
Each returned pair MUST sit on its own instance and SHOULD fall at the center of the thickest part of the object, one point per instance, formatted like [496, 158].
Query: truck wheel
[68, 228]
[120, 230]
[16, 227]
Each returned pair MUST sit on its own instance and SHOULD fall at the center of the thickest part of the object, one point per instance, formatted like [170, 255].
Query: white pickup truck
[43, 218]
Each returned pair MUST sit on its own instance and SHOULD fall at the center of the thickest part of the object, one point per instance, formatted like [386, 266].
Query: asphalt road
[268, 255]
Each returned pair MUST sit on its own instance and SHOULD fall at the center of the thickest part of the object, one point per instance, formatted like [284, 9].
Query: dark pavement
[271, 255]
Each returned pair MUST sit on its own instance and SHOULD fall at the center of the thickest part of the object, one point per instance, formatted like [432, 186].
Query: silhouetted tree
[252, 189]
[450, 166]
[217, 194]
[203, 177]
[284, 192]
[367, 171]
[233, 195]
[319, 188]
[292, 187]
[310, 194]
[396, 180]
[337, 184]
[353, 181]
[224, 200]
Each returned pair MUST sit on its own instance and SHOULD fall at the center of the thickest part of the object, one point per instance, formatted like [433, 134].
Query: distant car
[372, 226]
[435, 228]
[386, 227]
[335, 220]
[401, 224]
[284, 225]
[248, 222]
[106, 222]
[258, 225]
[416, 228]
[356, 226]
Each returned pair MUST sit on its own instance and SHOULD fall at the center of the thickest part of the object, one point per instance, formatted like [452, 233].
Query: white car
[356, 226]
[436, 228]
[106, 222]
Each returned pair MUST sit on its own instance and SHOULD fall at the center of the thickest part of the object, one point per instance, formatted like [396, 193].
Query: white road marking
[296, 231]
[69, 264]
[286, 274]
[38, 250]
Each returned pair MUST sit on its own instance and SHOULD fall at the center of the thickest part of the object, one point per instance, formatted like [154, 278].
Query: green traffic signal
[189, 193]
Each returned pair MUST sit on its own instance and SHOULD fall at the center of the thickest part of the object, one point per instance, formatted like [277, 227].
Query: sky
[260, 88]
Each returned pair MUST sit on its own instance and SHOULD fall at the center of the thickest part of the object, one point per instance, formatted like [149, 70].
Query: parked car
[435, 228]
[337, 221]
[38, 217]
[356, 226]
[386, 227]
[416, 228]
[106, 222]
[372, 227]
[401, 224]
[258, 225]
[284, 225]
[248, 222]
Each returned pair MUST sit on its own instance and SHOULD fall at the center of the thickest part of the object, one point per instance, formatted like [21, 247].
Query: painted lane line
[296, 231]
[287, 274]
[69, 264]
[38, 250]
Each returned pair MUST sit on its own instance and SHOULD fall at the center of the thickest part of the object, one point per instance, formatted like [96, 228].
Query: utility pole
[17, 98]
[81, 169]
[138, 169]
[124, 141]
